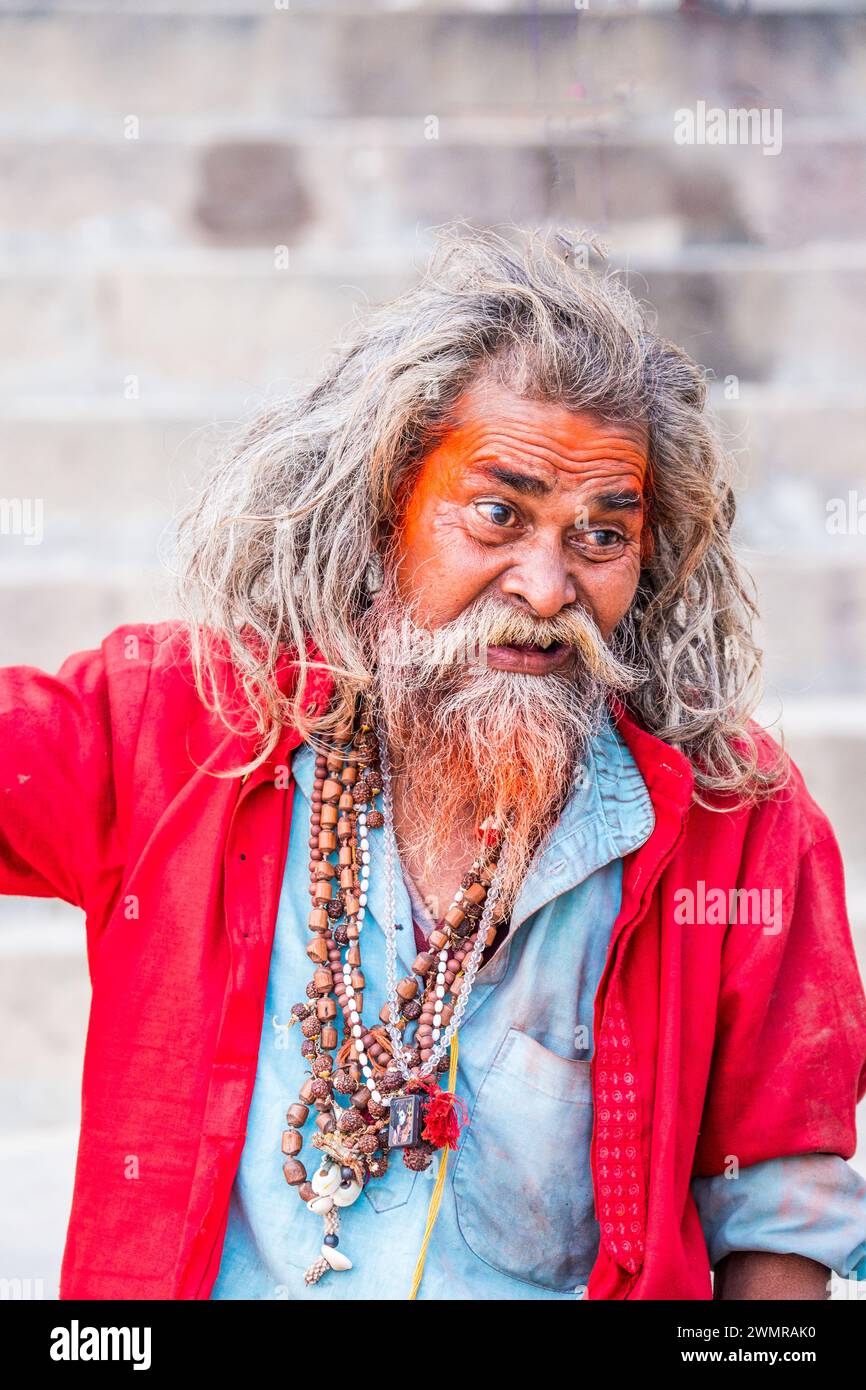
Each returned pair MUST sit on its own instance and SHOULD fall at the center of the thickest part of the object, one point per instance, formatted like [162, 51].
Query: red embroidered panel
[619, 1166]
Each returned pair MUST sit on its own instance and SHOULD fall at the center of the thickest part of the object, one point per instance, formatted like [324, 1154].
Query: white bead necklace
[441, 1037]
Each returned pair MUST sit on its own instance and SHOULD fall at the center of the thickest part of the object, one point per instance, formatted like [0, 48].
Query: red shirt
[712, 1041]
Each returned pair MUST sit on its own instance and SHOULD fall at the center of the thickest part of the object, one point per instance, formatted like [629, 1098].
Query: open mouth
[529, 658]
[534, 646]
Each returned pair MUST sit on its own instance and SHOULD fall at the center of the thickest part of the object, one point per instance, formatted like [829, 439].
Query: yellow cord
[433, 1209]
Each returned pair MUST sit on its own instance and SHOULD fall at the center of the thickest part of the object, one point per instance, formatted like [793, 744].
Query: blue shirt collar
[608, 814]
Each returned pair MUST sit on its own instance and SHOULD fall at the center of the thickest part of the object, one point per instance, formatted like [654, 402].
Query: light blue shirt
[517, 1216]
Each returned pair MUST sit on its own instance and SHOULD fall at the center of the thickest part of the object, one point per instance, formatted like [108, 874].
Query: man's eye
[600, 539]
[498, 512]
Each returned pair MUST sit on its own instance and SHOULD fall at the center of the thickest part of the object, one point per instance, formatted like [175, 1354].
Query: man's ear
[374, 577]
[647, 544]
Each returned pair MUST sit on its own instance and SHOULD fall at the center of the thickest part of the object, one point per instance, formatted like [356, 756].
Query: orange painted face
[529, 502]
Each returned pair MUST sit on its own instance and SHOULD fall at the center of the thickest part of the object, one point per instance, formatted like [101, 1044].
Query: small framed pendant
[404, 1126]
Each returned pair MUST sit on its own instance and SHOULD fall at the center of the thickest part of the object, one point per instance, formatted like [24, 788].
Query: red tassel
[488, 832]
[445, 1114]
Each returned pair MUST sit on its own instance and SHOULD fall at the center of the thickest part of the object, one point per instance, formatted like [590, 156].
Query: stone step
[771, 406]
[321, 192]
[812, 626]
[606, 11]
[239, 9]
[60, 73]
[43, 621]
[226, 322]
[44, 1001]
[813, 439]
[112, 472]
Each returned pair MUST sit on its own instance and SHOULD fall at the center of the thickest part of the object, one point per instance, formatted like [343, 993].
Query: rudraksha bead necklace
[393, 1101]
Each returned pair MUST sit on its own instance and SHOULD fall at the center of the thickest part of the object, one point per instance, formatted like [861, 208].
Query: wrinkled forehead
[490, 423]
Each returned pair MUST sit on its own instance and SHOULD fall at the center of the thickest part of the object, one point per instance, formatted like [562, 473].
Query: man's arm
[751, 1274]
[778, 1202]
[58, 812]
[805, 1208]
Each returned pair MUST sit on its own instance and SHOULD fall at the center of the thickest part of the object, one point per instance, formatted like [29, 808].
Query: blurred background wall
[197, 195]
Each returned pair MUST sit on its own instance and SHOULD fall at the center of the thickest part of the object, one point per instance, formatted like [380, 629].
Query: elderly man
[453, 930]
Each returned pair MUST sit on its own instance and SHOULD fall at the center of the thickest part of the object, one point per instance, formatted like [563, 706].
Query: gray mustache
[577, 629]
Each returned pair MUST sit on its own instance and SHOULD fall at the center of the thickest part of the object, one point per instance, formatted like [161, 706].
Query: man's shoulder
[133, 654]
[165, 712]
[182, 677]
[148, 642]
[158, 649]
[151, 674]
[787, 809]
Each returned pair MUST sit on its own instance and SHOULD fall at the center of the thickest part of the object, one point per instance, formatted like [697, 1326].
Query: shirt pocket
[522, 1181]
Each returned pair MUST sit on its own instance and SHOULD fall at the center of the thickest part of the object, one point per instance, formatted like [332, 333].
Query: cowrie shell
[325, 1180]
[320, 1205]
[346, 1196]
[336, 1259]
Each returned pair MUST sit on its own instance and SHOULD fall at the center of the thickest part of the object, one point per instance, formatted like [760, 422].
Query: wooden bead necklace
[392, 1100]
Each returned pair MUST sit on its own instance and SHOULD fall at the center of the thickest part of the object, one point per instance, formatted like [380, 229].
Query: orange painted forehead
[492, 424]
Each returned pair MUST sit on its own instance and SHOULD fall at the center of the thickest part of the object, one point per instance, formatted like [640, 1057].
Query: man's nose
[541, 578]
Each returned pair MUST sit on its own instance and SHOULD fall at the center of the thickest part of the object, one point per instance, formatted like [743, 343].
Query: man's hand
[754, 1274]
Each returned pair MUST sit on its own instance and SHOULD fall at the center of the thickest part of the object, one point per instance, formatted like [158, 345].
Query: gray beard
[470, 741]
[501, 745]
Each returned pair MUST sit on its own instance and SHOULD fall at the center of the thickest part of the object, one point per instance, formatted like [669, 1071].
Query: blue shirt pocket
[522, 1184]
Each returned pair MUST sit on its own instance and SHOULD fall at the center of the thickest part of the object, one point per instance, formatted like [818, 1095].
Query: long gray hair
[275, 551]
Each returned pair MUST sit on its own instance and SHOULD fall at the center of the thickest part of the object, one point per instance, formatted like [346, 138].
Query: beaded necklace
[387, 1079]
